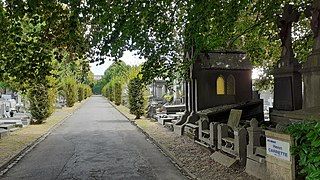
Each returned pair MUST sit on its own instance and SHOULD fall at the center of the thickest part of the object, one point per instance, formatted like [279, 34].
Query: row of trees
[164, 31]
[123, 80]
[42, 47]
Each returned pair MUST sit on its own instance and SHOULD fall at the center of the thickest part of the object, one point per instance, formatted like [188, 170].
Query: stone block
[162, 121]
[7, 126]
[280, 164]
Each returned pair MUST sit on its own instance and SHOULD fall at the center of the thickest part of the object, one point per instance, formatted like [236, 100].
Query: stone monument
[287, 78]
[311, 69]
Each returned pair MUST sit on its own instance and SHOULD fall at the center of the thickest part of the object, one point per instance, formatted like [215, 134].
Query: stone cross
[314, 12]
[285, 23]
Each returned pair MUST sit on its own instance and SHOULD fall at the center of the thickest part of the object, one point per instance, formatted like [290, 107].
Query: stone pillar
[311, 69]
[311, 79]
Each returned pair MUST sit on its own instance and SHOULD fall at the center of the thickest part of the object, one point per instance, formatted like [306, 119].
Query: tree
[35, 35]
[70, 91]
[137, 97]
[117, 93]
[163, 32]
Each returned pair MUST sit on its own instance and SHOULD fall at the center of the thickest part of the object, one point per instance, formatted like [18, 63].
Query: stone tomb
[287, 78]
[218, 78]
[310, 73]
[211, 117]
[232, 140]
[256, 151]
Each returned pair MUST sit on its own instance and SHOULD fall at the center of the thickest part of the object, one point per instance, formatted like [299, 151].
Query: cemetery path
[96, 142]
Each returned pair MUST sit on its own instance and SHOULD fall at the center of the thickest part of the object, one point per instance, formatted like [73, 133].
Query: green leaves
[70, 91]
[307, 147]
[136, 96]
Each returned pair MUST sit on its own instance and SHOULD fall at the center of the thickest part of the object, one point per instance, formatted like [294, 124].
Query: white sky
[128, 57]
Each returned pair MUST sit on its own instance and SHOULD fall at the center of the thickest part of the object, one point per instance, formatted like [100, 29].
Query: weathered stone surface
[279, 168]
[223, 159]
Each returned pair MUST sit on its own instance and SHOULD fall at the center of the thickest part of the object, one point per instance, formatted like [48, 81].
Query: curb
[162, 149]
[4, 168]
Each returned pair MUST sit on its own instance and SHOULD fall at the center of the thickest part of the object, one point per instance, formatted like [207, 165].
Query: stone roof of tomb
[235, 60]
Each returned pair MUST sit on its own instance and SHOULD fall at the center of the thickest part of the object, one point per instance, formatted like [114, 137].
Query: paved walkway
[97, 142]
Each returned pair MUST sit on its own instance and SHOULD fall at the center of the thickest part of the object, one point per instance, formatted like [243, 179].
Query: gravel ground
[193, 156]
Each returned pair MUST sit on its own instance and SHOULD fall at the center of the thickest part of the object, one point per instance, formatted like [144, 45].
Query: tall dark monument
[287, 78]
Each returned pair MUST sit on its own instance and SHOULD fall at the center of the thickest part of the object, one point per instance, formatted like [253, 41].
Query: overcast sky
[128, 58]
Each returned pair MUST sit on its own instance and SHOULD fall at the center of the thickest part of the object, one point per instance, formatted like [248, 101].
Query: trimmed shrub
[88, 91]
[105, 91]
[136, 95]
[70, 91]
[111, 93]
[81, 92]
[117, 93]
[39, 103]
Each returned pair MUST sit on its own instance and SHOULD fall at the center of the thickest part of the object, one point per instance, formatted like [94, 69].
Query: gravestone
[234, 118]
[287, 78]
[311, 69]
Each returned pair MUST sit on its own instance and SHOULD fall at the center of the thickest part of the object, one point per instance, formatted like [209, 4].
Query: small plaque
[278, 149]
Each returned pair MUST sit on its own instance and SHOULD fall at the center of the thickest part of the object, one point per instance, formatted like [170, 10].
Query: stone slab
[234, 118]
[3, 132]
[256, 169]
[162, 121]
[7, 126]
[223, 159]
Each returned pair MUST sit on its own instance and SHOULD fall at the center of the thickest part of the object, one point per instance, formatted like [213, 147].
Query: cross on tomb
[285, 23]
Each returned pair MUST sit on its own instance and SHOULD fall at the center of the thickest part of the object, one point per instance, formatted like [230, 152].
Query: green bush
[117, 93]
[111, 93]
[81, 92]
[136, 95]
[39, 103]
[104, 91]
[307, 147]
[70, 91]
[88, 91]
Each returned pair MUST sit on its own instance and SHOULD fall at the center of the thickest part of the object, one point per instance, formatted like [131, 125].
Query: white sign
[278, 149]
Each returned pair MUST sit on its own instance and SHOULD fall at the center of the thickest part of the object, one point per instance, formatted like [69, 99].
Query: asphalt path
[96, 142]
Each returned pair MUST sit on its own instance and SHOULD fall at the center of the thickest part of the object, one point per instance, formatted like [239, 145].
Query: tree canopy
[161, 30]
